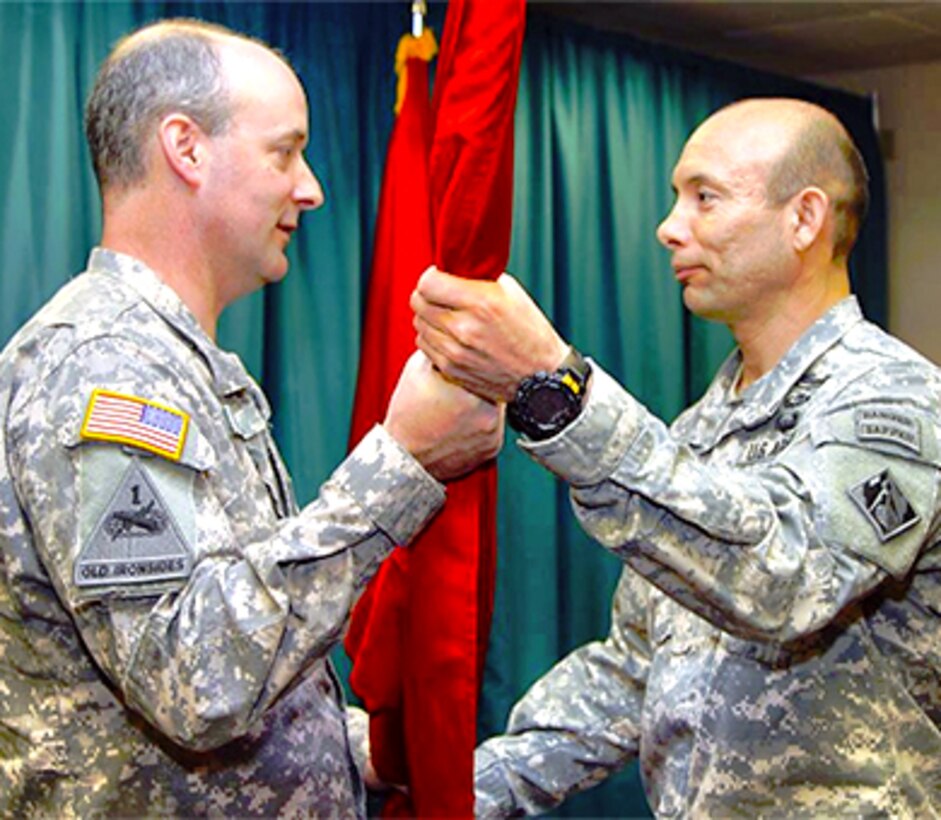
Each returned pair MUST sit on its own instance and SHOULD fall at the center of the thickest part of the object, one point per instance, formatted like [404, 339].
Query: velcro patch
[131, 420]
[888, 424]
[136, 540]
[884, 505]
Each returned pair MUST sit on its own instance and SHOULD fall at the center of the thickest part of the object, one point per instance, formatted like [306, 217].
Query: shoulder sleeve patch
[873, 474]
[139, 422]
[884, 504]
[137, 539]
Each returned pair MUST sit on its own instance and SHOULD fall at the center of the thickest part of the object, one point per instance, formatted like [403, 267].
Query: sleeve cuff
[594, 445]
[390, 485]
[357, 729]
[492, 799]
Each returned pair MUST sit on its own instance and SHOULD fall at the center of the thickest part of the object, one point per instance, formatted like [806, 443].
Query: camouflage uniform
[774, 642]
[165, 623]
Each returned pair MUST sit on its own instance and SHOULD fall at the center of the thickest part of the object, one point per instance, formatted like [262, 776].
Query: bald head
[169, 66]
[801, 145]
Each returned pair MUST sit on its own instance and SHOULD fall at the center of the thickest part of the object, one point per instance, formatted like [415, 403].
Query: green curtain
[600, 122]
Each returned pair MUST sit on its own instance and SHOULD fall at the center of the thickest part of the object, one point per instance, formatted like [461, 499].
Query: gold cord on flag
[424, 48]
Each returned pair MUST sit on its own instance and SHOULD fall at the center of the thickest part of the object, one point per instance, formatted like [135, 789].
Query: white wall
[910, 107]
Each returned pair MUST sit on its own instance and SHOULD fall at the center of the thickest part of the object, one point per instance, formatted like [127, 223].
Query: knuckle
[458, 329]
[474, 329]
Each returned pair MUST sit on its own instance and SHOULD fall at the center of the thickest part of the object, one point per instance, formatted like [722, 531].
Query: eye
[705, 196]
[285, 154]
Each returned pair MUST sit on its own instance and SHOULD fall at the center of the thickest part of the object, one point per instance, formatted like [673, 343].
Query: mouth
[684, 273]
[287, 230]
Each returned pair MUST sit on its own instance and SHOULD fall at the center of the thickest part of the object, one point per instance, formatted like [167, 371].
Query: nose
[308, 194]
[673, 231]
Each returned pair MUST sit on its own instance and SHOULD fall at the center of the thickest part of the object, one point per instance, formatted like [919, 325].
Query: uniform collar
[228, 372]
[762, 399]
[769, 391]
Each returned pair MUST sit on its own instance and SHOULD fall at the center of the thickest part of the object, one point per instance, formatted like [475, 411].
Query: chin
[699, 305]
[691, 300]
[276, 272]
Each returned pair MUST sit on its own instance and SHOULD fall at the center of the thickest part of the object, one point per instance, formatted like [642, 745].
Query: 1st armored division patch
[136, 539]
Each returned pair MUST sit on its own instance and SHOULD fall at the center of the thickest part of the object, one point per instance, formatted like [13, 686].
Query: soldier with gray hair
[774, 635]
[166, 609]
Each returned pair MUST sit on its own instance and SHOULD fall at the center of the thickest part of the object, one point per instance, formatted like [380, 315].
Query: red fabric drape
[402, 250]
[418, 637]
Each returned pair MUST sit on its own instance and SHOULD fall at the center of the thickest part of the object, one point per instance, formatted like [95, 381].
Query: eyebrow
[698, 179]
[294, 135]
[702, 179]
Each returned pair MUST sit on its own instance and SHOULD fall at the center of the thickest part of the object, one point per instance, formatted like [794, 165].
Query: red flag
[437, 626]
[472, 155]
[402, 250]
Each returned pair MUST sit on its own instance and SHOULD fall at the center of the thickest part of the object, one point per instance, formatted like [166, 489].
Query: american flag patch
[131, 420]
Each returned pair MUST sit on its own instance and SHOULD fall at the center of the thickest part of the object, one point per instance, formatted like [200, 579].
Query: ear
[809, 212]
[182, 142]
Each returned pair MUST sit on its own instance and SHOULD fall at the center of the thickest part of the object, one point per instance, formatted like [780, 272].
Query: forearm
[577, 724]
[740, 547]
[571, 730]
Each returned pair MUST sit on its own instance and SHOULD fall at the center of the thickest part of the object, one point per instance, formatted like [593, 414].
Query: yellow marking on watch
[571, 384]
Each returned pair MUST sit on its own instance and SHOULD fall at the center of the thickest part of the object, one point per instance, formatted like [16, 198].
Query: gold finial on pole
[419, 10]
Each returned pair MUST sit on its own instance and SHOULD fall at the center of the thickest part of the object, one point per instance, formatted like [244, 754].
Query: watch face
[549, 403]
[545, 403]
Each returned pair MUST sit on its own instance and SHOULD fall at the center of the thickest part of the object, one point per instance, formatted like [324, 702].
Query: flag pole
[419, 10]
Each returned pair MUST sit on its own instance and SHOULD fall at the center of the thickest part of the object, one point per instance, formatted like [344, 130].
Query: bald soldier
[167, 610]
[774, 636]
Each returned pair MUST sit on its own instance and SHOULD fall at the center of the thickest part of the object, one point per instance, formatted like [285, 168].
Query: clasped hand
[448, 430]
[484, 335]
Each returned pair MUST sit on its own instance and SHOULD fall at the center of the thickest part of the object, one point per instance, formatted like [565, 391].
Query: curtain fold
[600, 121]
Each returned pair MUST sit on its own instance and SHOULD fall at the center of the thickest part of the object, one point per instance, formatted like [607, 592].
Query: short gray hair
[823, 153]
[172, 65]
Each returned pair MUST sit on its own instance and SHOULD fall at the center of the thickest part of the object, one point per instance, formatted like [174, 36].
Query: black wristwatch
[546, 403]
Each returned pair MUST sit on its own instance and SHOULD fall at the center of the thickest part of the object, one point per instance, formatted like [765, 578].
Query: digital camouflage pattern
[774, 642]
[164, 625]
